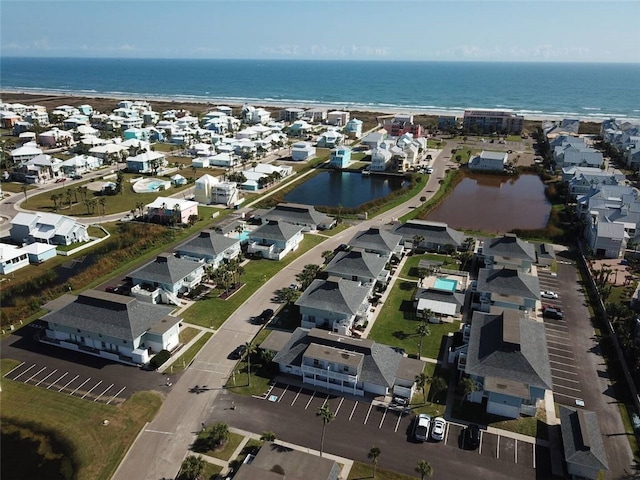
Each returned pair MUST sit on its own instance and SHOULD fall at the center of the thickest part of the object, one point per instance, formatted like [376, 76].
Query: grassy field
[227, 449]
[364, 471]
[476, 413]
[15, 187]
[95, 450]
[71, 202]
[396, 324]
[187, 334]
[261, 373]
[212, 312]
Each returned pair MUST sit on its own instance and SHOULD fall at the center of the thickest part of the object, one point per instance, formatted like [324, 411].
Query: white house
[12, 258]
[209, 189]
[47, 228]
[213, 248]
[146, 162]
[302, 151]
[274, 240]
[111, 326]
[165, 209]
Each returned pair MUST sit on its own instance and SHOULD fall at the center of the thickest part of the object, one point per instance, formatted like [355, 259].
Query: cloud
[534, 52]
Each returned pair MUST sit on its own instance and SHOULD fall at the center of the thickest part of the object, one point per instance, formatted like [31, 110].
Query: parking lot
[566, 382]
[73, 373]
[375, 418]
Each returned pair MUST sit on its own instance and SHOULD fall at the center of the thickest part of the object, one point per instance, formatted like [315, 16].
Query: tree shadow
[400, 335]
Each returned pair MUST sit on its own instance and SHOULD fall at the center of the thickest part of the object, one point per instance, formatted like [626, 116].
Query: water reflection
[493, 203]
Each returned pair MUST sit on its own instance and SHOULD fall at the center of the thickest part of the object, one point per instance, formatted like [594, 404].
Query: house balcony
[466, 332]
[325, 372]
[191, 281]
[462, 361]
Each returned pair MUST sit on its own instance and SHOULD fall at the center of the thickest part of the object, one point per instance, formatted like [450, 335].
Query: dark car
[471, 439]
[266, 314]
[238, 353]
[119, 289]
[552, 312]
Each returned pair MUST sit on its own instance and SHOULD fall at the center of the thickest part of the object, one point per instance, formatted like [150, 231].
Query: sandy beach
[106, 103]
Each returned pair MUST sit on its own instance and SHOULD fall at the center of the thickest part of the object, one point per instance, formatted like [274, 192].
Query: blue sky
[451, 30]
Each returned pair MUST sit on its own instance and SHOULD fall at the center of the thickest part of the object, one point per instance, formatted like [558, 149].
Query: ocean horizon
[534, 90]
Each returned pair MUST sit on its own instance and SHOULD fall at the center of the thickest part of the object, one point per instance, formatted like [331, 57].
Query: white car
[429, 170]
[548, 294]
[437, 429]
[421, 427]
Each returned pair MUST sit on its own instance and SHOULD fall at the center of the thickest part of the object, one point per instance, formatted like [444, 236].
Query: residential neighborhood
[272, 318]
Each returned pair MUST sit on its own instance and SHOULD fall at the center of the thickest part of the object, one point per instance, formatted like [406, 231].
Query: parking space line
[111, 399]
[568, 372]
[558, 335]
[515, 450]
[325, 400]
[91, 389]
[383, 416]
[561, 356]
[498, 447]
[310, 398]
[283, 392]
[98, 397]
[339, 405]
[14, 368]
[563, 395]
[59, 378]
[69, 383]
[80, 386]
[20, 374]
[367, 417]
[37, 384]
[533, 445]
[480, 446]
[562, 350]
[446, 434]
[353, 409]
[39, 371]
[296, 397]
[565, 379]
[568, 388]
[399, 418]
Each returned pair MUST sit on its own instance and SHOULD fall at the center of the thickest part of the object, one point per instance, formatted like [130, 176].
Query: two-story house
[379, 241]
[432, 236]
[506, 288]
[274, 239]
[213, 248]
[359, 266]
[305, 216]
[508, 251]
[343, 364]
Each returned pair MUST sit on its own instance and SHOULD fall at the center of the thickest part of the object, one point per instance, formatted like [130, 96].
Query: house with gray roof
[435, 235]
[275, 239]
[505, 288]
[489, 161]
[570, 154]
[213, 248]
[581, 180]
[359, 266]
[335, 304]
[508, 251]
[507, 358]
[378, 241]
[348, 365]
[582, 442]
[444, 305]
[277, 462]
[165, 278]
[297, 214]
[111, 326]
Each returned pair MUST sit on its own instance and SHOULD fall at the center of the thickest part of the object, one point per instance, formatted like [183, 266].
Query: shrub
[159, 359]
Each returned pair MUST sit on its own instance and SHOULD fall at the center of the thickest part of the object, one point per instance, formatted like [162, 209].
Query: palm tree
[421, 381]
[250, 348]
[422, 330]
[191, 468]
[373, 455]
[327, 255]
[267, 437]
[24, 190]
[140, 207]
[468, 386]
[307, 275]
[425, 469]
[417, 240]
[438, 384]
[54, 198]
[326, 416]
[69, 195]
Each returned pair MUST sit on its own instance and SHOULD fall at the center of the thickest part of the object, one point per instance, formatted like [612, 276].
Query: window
[124, 341]
[316, 363]
[78, 330]
[345, 369]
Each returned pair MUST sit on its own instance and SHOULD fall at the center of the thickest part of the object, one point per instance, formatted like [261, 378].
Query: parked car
[238, 353]
[76, 177]
[429, 170]
[548, 294]
[438, 428]
[421, 427]
[401, 401]
[61, 179]
[552, 312]
[294, 286]
[471, 438]
[119, 289]
[263, 317]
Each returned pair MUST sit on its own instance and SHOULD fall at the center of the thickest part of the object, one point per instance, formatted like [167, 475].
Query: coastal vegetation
[71, 431]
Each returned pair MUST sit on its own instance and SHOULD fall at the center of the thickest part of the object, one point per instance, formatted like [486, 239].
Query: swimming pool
[244, 236]
[146, 185]
[445, 284]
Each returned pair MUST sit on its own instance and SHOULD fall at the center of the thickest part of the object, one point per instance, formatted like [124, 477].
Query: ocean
[535, 90]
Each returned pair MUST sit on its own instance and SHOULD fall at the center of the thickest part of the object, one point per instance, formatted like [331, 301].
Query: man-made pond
[348, 189]
[493, 203]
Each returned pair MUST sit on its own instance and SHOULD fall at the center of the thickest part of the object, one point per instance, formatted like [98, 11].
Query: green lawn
[211, 471]
[187, 357]
[261, 373]
[431, 406]
[410, 268]
[362, 471]
[94, 449]
[396, 324]
[113, 203]
[15, 187]
[431, 143]
[212, 312]
[187, 334]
